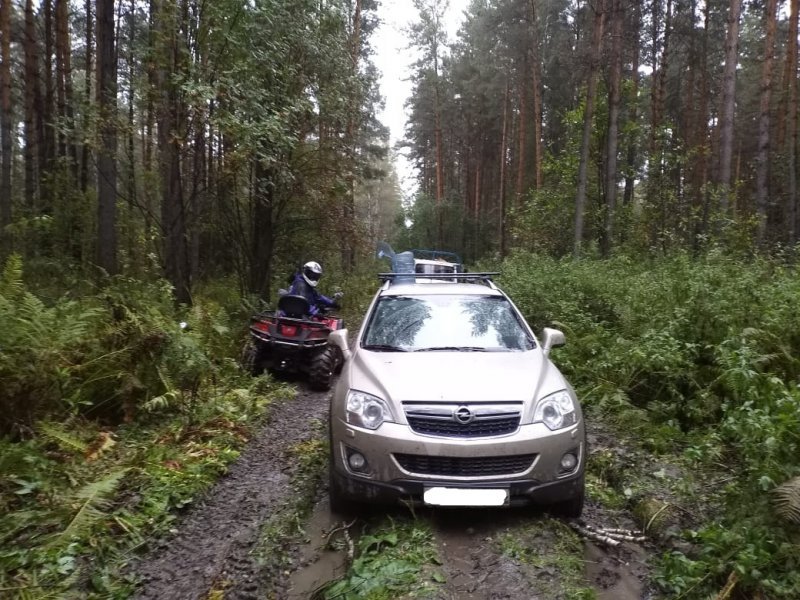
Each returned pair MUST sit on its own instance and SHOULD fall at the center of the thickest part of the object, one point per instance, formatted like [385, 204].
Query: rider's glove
[338, 295]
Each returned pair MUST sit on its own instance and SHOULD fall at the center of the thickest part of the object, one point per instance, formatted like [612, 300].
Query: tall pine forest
[630, 167]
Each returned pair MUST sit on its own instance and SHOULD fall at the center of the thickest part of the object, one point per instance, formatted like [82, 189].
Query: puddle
[317, 564]
[618, 575]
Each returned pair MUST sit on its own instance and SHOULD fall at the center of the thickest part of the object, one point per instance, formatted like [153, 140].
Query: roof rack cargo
[459, 277]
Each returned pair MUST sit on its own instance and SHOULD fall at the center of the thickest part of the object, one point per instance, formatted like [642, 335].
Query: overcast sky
[393, 59]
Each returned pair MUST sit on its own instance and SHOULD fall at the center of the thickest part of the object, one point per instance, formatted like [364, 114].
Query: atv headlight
[366, 410]
[556, 411]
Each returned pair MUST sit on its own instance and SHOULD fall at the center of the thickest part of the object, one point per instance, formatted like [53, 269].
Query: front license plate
[444, 496]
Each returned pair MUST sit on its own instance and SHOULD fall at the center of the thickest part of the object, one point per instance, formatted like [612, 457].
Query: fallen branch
[595, 535]
[726, 592]
[609, 536]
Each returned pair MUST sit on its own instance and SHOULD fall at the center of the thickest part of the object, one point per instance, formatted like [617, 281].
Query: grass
[395, 558]
[555, 554]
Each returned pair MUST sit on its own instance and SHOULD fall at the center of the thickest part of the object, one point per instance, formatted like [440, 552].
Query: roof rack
[459, 277]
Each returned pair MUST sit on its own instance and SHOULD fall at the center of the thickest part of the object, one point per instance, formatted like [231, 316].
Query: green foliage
[140, 417]
[389, 562]
[698, 357]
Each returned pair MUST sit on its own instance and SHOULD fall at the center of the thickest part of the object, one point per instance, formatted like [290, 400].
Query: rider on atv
[305, 283]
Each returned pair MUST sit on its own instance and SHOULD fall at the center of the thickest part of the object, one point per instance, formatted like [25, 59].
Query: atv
[290, 341]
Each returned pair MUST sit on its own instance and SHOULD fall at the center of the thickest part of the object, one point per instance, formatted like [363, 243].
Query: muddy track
[212, 549]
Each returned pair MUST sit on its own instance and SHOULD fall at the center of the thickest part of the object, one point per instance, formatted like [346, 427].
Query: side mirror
[339, 338]
[552, 338]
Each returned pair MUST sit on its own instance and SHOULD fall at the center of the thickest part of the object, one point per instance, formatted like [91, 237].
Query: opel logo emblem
[463, 415]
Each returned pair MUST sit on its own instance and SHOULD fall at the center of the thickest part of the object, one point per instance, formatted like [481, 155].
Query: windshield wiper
[383, 348]
[452, 349]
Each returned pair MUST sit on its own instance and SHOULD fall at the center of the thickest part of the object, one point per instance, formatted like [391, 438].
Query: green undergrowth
[697, 362]
[553, 552]
[114, 419]
[394, 558]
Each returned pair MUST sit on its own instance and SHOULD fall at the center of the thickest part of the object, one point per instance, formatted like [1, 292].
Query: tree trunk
[523, 117]
[348, 243]
[170, 114]
[536, 87]
[6, 117]
[502, 199]
[615, 77]
[791, 138]
[107, 155]
[64, 85]
[762, 161]
[263, 232]
[47, 149]
[33, 102]
[630, 176]
[591, 91]
[84, 173]
[727, 106]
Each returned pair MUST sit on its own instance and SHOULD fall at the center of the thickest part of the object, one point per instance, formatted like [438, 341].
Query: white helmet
[312, 273]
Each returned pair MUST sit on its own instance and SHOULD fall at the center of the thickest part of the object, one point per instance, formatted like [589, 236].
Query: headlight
[366, 410]
[556, 411]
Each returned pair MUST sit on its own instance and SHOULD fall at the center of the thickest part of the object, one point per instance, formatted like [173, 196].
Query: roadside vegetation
[114, 419]
[695, 361]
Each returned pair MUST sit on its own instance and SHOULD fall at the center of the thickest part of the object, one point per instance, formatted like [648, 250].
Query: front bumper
[386, 481]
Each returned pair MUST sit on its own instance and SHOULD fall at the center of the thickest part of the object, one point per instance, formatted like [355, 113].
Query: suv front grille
[467, 420]
[478, 428]
[453, 466]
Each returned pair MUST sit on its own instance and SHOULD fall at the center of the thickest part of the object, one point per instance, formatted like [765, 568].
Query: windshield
[445, 322]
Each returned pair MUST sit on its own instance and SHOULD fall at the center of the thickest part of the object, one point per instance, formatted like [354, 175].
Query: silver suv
[448, 399]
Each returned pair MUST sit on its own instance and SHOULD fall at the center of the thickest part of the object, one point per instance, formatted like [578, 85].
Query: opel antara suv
[447, 398]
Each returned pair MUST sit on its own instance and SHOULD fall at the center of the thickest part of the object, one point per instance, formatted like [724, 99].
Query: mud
[212, 550]
[212, 554]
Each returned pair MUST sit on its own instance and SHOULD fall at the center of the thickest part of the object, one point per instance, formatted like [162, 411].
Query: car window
[445, 322]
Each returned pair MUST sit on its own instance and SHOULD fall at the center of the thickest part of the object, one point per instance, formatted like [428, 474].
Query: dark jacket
[316, 300]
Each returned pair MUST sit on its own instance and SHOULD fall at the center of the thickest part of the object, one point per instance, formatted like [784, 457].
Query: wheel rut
[212, 548]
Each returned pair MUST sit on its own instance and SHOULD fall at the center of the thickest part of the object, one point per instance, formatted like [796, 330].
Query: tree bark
[728, 105]
[762, 160]
[106, 90]
[536, 86]
[64, 85]
[615, 77]
[84, 172]
[348, 244]
[170, 115]
[6, 117]
[34, 133]
[630, 176]
[591, 92]
[521, 158]
[502, 199]
[791, 137]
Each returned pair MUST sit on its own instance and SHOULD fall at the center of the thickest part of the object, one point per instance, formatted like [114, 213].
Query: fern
[786, 498]
[65, 440]
[94, 499]
[11, 284]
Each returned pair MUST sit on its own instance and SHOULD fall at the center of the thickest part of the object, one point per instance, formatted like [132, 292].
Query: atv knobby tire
[320, 373]
[252, 359]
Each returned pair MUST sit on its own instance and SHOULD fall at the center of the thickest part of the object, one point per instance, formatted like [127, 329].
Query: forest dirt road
[215, 550]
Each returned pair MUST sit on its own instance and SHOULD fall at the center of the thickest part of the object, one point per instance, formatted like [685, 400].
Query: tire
[339, 504]
[572, 508]
[252, 359]
[321, 371]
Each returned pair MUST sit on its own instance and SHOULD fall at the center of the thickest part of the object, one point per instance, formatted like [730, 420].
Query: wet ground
[215, 552]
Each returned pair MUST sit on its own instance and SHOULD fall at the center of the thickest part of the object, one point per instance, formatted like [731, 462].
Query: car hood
[455, 376]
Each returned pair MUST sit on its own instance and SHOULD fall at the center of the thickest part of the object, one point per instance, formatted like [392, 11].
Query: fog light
[357, 461]
[568, 462]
